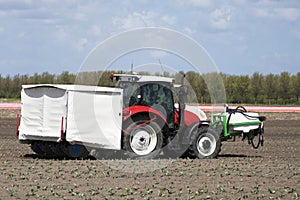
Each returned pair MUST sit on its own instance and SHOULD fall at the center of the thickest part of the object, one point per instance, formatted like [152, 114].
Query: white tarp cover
[95, 118]
[92, 114]
[41, 112]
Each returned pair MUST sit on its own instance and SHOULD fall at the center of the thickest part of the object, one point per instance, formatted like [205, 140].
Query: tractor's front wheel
[206, 143]
[143, 139]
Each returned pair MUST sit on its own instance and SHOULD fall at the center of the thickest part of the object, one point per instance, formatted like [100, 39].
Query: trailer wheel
[143, 140]
[76, 151]
[57, 150]
[38, 148]
[206, 143]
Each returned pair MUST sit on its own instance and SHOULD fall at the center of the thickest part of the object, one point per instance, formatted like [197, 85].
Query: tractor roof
[142, 78]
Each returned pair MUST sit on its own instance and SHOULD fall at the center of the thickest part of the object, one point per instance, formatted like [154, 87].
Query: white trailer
[85, 115]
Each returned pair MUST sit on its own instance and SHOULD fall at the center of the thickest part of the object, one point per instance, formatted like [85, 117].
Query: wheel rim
[143, 140]
[206, 144]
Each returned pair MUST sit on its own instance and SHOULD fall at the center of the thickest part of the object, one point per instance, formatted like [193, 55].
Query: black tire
[142, 141]
[191, 131]
[206, 143]
[42, 149]
[37, 147]
[75, 151]
[57, 150]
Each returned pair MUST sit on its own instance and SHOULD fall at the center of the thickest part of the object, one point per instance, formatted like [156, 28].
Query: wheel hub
[206, 144]
[143, 140]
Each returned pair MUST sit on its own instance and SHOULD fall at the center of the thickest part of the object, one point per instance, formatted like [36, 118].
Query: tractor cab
[150, 91]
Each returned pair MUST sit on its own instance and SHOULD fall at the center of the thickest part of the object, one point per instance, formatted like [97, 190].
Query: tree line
[270, 89]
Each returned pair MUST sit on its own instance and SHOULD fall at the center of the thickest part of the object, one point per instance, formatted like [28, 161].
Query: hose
[239, 109]
[260, 139]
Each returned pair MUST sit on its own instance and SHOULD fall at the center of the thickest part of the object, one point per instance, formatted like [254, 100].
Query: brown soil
[240, 172]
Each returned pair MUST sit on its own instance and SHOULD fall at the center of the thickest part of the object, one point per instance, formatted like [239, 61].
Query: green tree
[192, 81]
[296, 87]
[48, 78]
[65, 78]
[215, 87]
[256, 86]
[235, 89]
[284, 87]
[15, 87]
[35, 79]
[244, 88]
[203, 91]
[7, 87]
[270, 87]
[2, 95]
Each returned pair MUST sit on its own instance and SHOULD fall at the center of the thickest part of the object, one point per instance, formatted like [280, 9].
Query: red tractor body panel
[133, 110]
[190, 118]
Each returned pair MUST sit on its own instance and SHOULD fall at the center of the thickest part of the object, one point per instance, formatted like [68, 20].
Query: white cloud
[81, 44]
[15, 4]
[189, 31]
[77, 25]
[143, 19]
[158, 54]
[196, 3]
[79, 16]
[21, 35]
[240, 2]
[290, 14]
[296, 33]
[221, 18]
[61, 34]
[135, 20]
[95, 30]
[260, 12]
[50, 1]
[171, 20]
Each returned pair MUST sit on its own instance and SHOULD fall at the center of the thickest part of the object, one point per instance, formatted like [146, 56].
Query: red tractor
[153, 124]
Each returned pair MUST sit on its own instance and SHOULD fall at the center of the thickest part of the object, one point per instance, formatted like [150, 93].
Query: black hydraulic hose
[260, 138]
[252, 142]
[239, 109]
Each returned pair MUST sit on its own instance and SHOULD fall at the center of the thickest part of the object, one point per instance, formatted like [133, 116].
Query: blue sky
[242, 37]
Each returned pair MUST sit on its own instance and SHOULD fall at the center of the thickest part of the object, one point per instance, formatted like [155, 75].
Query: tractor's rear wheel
[142, 139]
[206, 143]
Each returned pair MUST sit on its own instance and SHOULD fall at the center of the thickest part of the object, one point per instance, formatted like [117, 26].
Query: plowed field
[240, 172]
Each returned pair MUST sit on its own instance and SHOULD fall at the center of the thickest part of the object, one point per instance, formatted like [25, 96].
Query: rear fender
[131, 113]
[191, 130]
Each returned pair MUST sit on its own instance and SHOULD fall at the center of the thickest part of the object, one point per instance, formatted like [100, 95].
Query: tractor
[138, 119]
[153, 124]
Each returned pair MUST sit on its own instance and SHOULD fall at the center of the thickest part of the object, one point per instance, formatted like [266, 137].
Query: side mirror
[111, 76]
